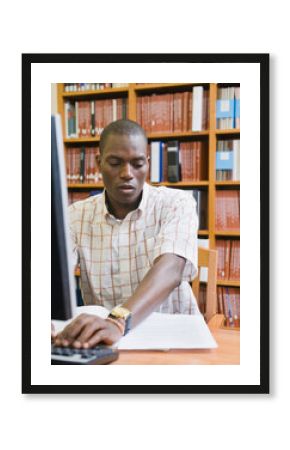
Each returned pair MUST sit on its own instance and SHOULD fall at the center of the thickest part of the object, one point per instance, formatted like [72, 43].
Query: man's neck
[120, 211]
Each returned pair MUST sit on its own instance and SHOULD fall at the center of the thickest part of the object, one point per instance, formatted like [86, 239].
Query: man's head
[123, 163]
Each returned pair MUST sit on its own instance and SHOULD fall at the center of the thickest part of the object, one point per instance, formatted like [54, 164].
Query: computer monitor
[63, 295]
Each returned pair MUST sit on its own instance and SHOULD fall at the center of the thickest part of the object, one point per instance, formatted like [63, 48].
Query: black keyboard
[101, 354]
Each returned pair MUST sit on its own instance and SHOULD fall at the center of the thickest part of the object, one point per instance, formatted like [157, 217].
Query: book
[229, 305]
[228, 159]
[227, 210]
[81, 165]
[197, 108]
[237, 107]
[156, 161]
[158, 331]
[193, 160]
[89, 118]
[225, 108]
[173, 161]
[167, 113]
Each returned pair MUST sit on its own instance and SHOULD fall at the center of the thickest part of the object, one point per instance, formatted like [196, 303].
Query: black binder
[173, 161]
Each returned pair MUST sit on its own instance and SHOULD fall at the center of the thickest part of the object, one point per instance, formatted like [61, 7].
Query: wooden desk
[228, 352]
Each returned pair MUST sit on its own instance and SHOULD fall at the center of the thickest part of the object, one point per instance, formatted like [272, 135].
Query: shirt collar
[138, 211]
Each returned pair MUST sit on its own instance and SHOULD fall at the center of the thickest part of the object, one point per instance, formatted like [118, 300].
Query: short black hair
[121, 127]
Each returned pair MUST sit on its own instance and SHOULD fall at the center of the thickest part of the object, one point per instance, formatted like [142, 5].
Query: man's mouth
[126, 187]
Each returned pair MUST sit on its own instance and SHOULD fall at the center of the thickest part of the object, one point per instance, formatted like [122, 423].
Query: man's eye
[114, 163]
[138, 165]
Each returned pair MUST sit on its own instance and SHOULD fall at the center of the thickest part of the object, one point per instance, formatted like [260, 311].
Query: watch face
[121, 312]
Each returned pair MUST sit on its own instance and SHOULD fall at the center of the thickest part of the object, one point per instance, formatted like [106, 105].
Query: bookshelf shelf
[229, 283]
[135, 99]
[86, 186]
[227, 183]
[84, 140]
[94, 93]
[231, 131]
[181, 184]
[203, 232]
[228, 233]
[181, 134]
[161, 86]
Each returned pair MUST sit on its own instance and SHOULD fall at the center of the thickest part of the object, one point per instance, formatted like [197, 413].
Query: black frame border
[263, 60]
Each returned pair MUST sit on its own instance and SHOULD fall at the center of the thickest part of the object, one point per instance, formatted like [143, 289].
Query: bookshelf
[134, 99]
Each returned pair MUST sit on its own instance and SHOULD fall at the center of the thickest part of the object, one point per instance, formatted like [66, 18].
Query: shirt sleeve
[178, 233]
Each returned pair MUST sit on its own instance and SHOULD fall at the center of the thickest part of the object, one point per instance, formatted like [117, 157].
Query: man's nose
[126, 172]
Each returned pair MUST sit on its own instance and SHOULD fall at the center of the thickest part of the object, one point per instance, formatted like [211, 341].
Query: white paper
[169, 331]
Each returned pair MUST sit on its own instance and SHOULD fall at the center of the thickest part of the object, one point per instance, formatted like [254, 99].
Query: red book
[177, 112]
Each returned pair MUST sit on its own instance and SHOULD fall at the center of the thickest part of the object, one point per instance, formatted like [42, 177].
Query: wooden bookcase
[211, 135]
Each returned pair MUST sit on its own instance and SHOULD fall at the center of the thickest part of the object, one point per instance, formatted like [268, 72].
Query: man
[136, 244]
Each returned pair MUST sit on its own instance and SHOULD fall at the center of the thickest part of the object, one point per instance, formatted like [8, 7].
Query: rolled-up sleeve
[178, 233]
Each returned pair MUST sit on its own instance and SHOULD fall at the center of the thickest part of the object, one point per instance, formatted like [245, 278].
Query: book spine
[197, 98]
[155, 162]
[173, 161]
[92, 128]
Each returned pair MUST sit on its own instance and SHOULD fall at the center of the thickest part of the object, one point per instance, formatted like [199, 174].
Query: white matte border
[247, 373]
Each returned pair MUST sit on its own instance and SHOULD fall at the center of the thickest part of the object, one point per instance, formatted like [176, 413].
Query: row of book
[89, 118]
[81, 165]
[228, 160]
[228, 264]
[229, 304]
[81, 87]
[175, 161]
[227, 210]
[171, 161]
[174, 112]
[228, 108]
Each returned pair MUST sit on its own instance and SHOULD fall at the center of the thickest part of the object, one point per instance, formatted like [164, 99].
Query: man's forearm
[156, 286]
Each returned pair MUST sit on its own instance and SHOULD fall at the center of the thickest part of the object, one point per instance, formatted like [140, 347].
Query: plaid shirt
[115, 255]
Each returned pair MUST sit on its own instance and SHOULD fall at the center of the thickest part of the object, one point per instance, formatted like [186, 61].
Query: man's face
[124, 167]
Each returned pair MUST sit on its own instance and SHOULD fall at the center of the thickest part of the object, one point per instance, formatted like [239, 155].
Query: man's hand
[86, 331]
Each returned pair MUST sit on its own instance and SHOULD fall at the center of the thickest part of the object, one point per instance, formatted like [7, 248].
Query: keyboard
[101, 354]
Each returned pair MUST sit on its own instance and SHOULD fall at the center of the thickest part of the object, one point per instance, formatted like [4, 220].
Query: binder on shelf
[82, 164]
[93, 133]
[173, 161]
[236, 157]
[197, 108]
[228, 160]
[156, 161]
[225, 108]
[237, 107]
[224, 160]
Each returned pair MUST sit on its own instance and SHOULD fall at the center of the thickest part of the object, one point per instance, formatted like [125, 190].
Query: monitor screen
[63, 296]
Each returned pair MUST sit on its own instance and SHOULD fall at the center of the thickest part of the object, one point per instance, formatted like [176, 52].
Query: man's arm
[88, 330]
[156, 286]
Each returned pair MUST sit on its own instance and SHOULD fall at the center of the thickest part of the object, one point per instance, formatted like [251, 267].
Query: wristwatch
[120, 312]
